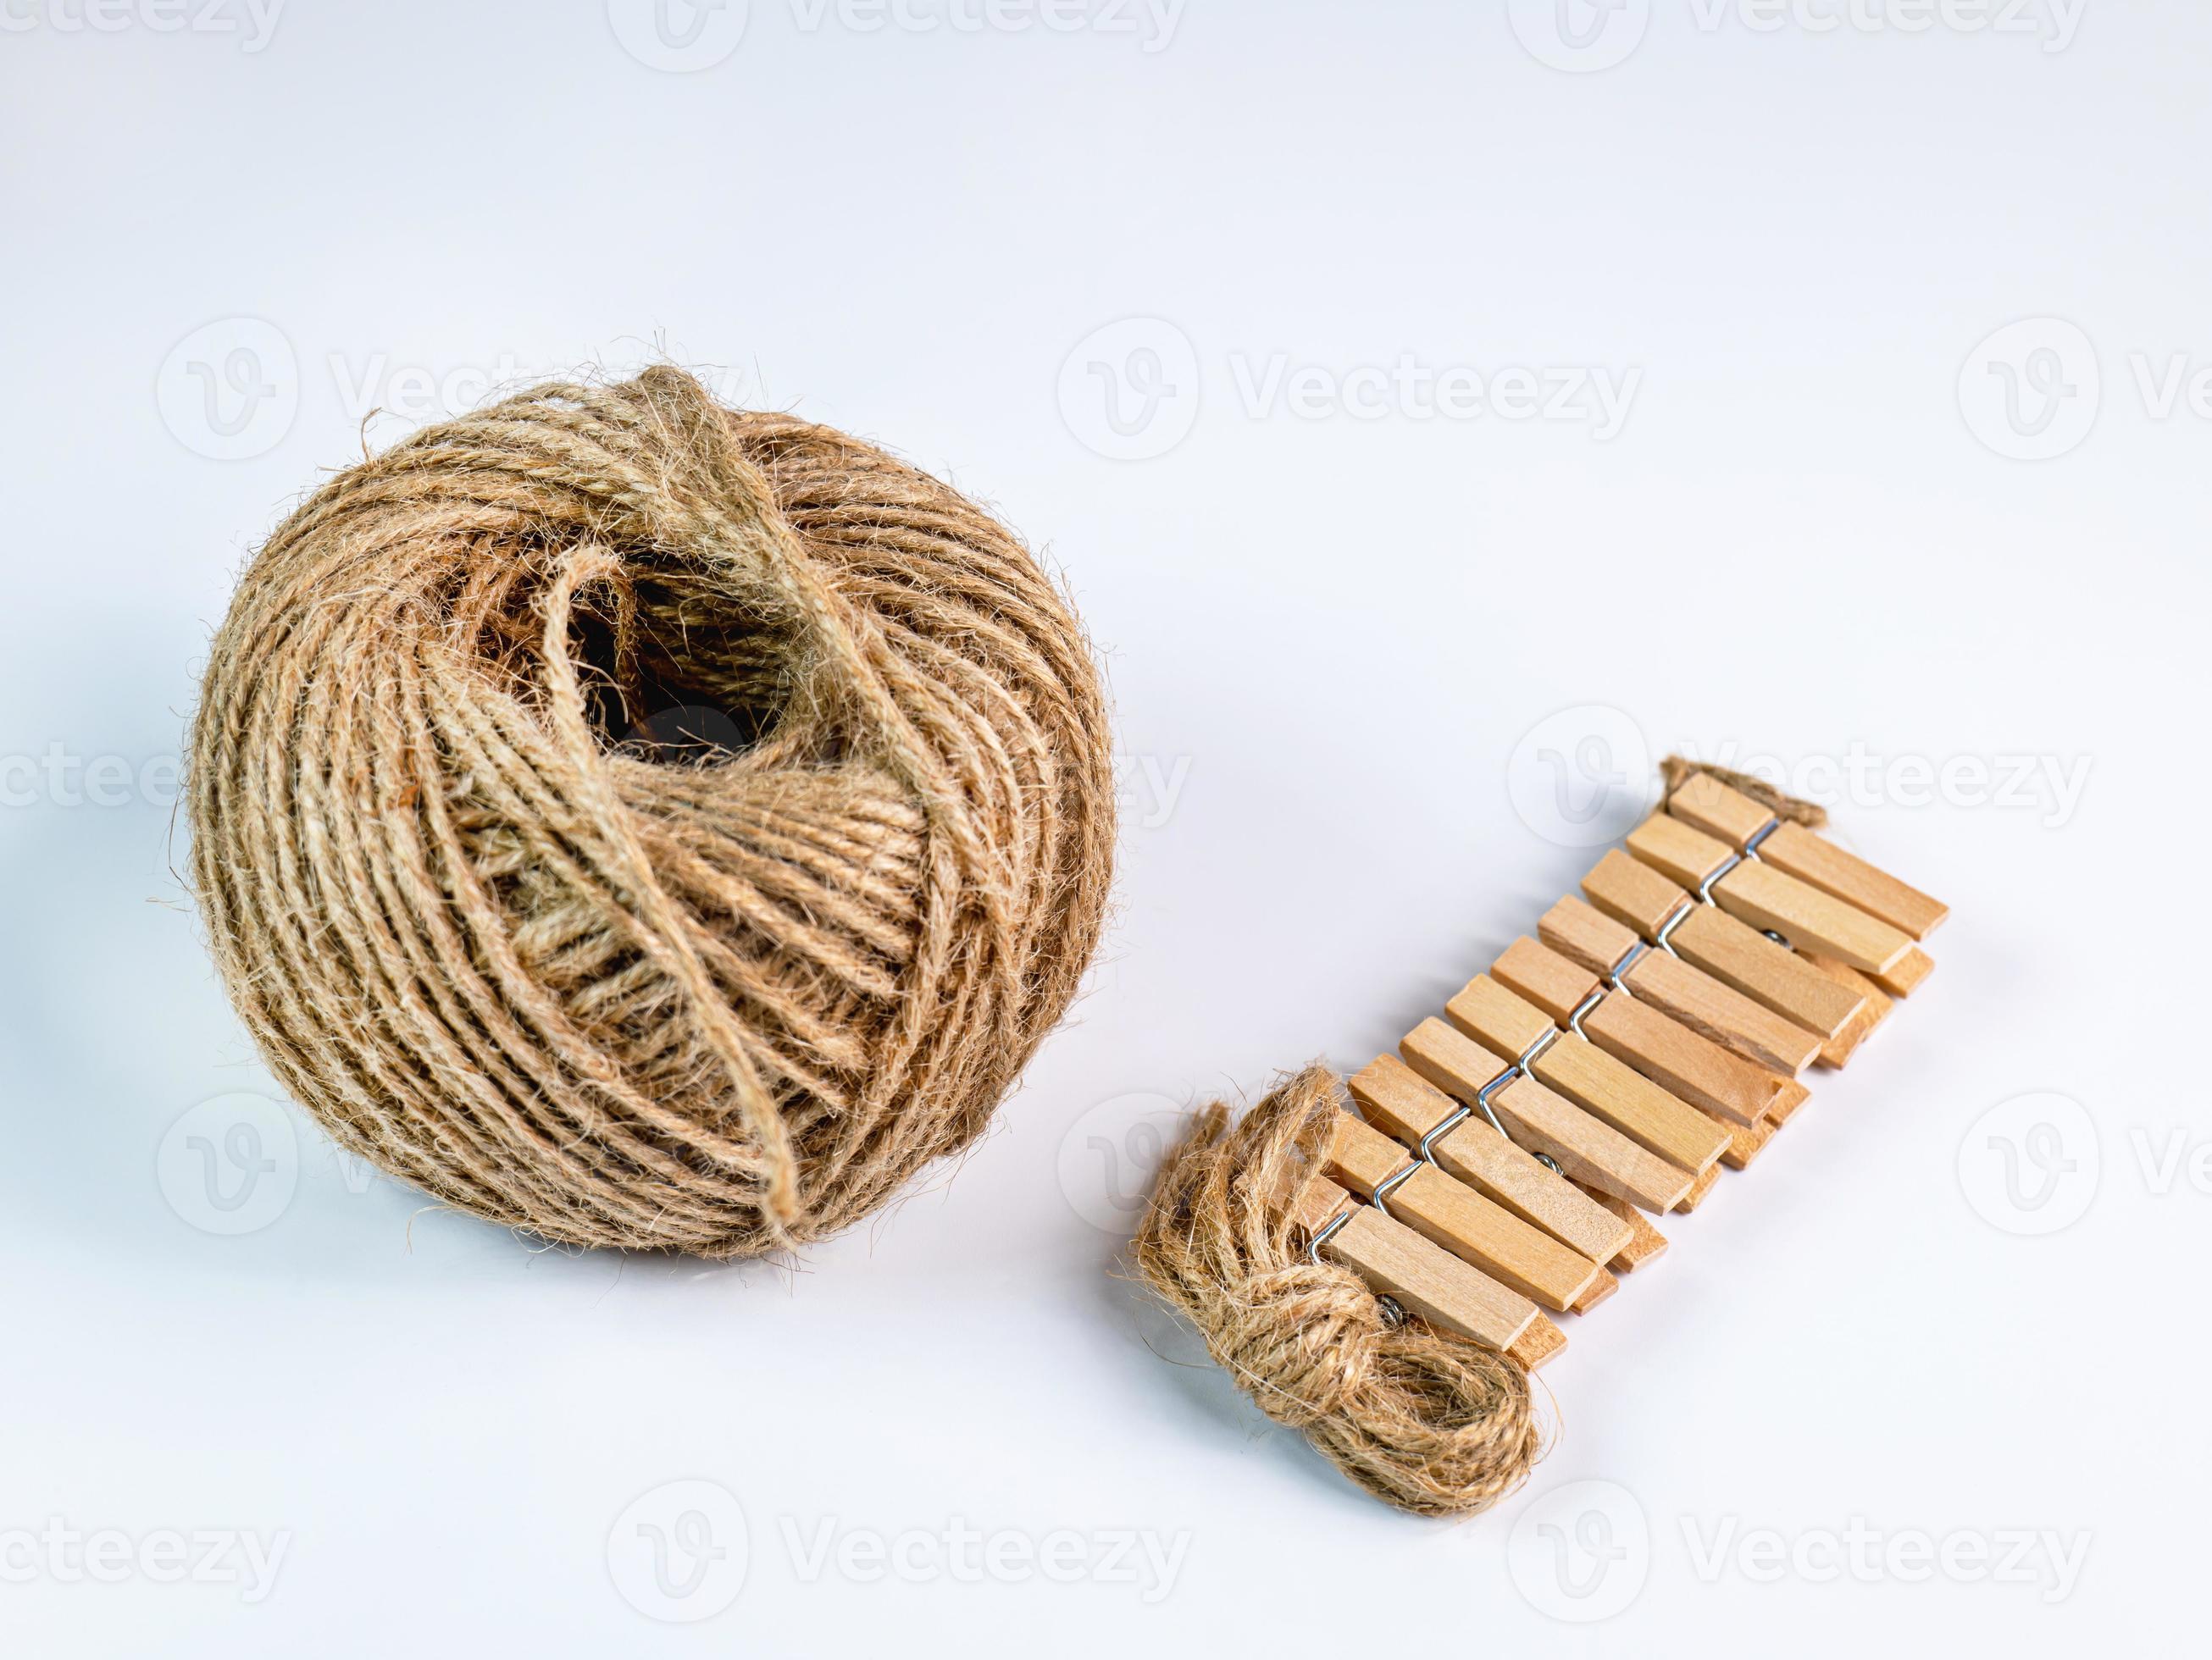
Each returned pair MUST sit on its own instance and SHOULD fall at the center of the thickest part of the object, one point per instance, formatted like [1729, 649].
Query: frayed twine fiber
[514, 949]
[1431, 1422]
[1675, 771]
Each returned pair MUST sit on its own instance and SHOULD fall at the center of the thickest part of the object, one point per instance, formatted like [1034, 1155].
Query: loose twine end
[1426, 1420]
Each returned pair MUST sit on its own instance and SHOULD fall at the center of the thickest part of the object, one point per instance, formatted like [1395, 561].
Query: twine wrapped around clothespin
[1428, 1420]
[1378, 1278]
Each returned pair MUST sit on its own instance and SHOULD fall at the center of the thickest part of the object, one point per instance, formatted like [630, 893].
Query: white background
[1329, 630]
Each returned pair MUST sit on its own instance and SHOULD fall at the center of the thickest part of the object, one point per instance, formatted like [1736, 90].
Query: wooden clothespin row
[1742, 1097]
[1838, 910]
[1501, 1164]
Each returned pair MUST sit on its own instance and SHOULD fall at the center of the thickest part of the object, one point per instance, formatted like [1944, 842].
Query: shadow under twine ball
[646, 823]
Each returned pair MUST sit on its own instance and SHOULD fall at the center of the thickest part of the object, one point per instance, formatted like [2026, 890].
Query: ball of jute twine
[608, 983]
[1423, 1418]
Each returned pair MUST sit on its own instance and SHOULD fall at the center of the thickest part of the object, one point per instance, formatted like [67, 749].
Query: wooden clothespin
[1394, 1099]
[1626, 961]
[1746, 887]
[1747, 1100]
[1456, 1216]
[1649, 1036]
[1639, 893]
[1421, 1279]
[1744, 826]
[1673, 1056]
[1567, 1062]
[1581, 1146]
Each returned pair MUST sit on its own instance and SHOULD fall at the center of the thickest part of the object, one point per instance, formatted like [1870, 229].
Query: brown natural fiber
[615, 991]
[1674, 770]
[1421, 1418]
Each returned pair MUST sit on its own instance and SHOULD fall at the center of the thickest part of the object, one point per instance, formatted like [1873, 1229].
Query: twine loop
[1427, 1420]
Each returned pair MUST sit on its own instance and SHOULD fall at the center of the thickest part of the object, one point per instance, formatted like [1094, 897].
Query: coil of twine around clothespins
[1423, 1418]
[649, 824]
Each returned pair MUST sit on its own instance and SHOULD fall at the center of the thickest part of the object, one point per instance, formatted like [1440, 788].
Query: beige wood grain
[1749, 1142]
[1397, 1100]
[1496, 1019]
[1545, 978]
[1675, 851]
[1645, 1241]
[1587, 1149]
[1721, 1013]
[1600, 1288]
[1426, 1281]
[1902, 977]
[1392, 1097]
[1812, 921]
[1677, 1060]
[1362, 1158]
[1578, 932]
[1813, 859]
[1702, 1186]
[1451, 1060]
[1316, 1201]
[1633, 894]
[1679, 858]
[1536, 1347]
[1704, 802]
[1738, 954]
[1638, 1108]
[1589, 1077]
[1839, 1049]
[1454, 1216]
